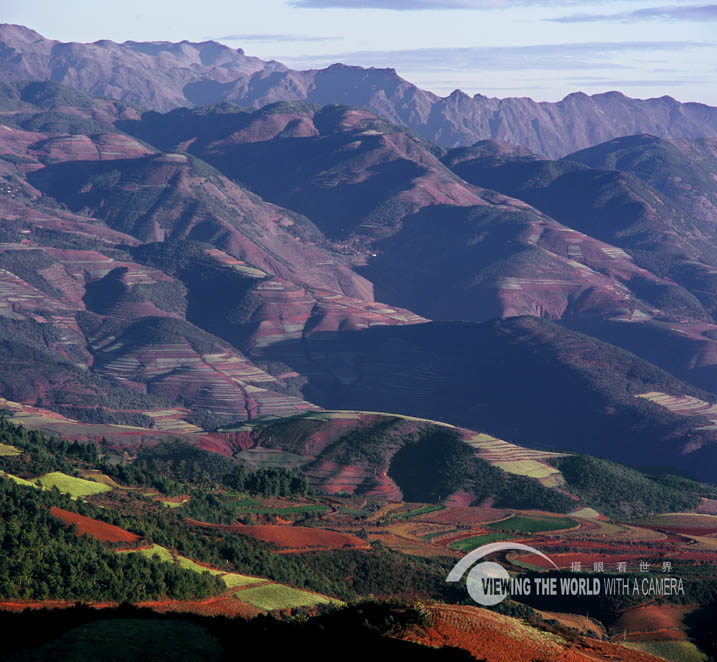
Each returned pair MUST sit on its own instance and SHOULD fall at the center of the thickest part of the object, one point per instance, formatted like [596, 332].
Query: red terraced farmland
[294, 538]
[92, 527]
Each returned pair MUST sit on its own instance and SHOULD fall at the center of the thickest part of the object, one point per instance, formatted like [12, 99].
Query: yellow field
[9, 451]
[585, 513]
[18, 480]
[233, 579]
[99, 477]
[173, 504]
[75, 487]
[517, 459]
[530, 468]
[184, 562]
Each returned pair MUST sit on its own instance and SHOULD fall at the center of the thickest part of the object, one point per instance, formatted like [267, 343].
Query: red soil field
[490, 636]
[466, 515]
[92, 527]
[688, 530]
[294, 538]
[225, 605]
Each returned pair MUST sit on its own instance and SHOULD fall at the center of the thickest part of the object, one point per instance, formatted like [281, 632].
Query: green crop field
[173, 504]
[469, 544]
[162, 552]
[523, 524]
[75, 487]
[18, 480]
[184, 562]
[275, 596]
[233, 579]
[9, 451]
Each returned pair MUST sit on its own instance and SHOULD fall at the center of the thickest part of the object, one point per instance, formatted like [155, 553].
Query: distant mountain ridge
[163, 75]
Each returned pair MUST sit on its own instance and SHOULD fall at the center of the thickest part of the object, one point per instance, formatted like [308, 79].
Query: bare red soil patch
[294, 538]
[92, 527]
[466, 515]
[225, 605]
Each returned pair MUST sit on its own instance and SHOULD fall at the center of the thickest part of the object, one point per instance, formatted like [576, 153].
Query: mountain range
[162, 75]
[292, 343]
[228, 264]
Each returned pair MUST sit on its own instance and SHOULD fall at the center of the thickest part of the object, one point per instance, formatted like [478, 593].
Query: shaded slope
[522, 379]
[661, 213]
[385, 196]
[683, 172]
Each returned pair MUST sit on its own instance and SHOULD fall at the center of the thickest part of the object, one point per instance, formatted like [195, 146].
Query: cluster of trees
[440, 463]
[619, 491]
[369, 443]
[268, 482]
[42, 559]
[41, 454]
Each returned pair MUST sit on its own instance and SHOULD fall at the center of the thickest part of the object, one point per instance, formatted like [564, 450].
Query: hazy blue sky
[542, 49]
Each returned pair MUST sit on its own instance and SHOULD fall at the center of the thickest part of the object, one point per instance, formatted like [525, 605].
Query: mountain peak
[19, 33]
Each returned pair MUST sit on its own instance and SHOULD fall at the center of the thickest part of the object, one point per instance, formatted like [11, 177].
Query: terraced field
[517, 459]
[417, 512]
[686, 405]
